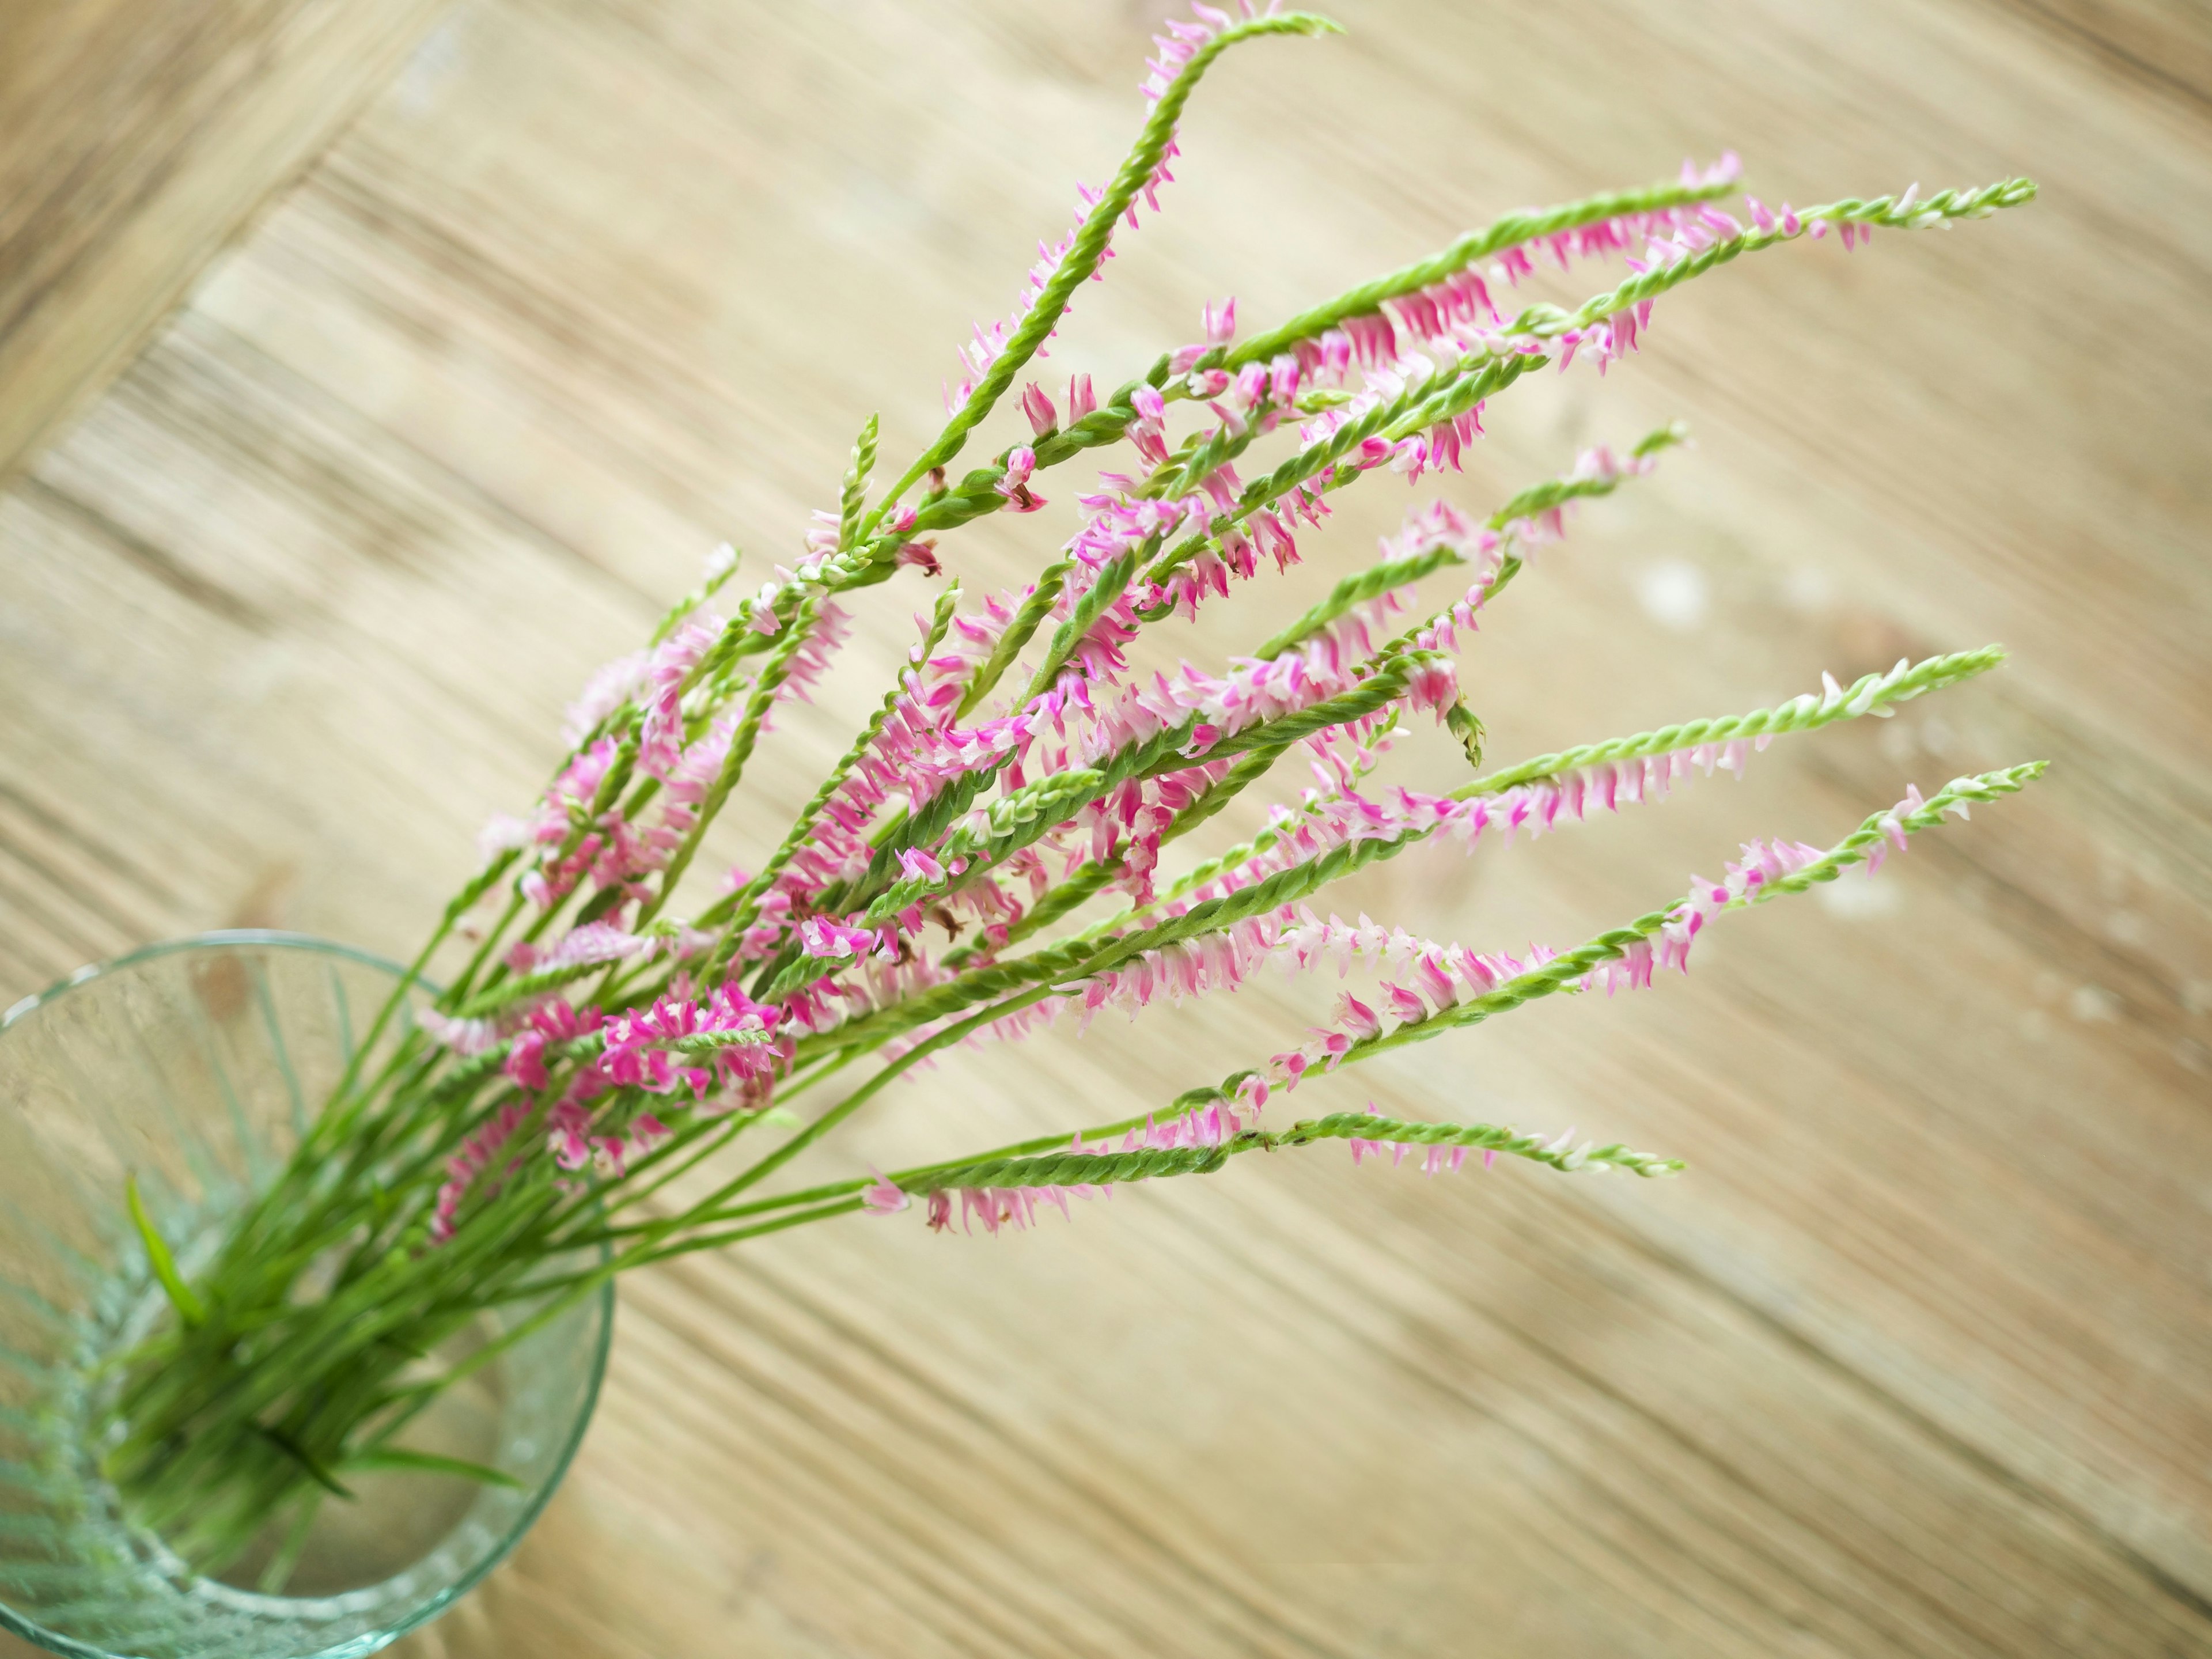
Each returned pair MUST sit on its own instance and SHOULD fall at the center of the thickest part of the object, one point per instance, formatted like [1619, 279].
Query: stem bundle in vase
[636, 1046]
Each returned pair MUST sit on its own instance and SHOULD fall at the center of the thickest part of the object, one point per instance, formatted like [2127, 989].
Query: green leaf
[293, 1450]
[399, 1458]
[189, 1306]
[1459, 719]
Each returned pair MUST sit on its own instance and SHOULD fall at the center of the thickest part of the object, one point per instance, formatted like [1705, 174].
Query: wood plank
[1911, 1362]
[135, 141]
[2162, 46]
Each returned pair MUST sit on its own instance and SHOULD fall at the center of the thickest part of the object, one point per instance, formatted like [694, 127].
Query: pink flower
[1360, 1148]
[553, 1022]
[1357, 1016]
[504, 832]
[1434, 1158]
[918, 865]
[594, 942]
[466, 1166]
[820, 937]
[611, 1156]
[1453, 1158]
[1404, 1004]
[660, 739]
[1011, 1207]
[462, 1036]
[886, 1197]
[608, 688]
[1434, 684]
[565, 1133]
[1042, 417]
[1014, 485]
[525, 1060]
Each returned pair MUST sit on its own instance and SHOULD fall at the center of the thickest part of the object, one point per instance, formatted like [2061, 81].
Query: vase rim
[219, 939]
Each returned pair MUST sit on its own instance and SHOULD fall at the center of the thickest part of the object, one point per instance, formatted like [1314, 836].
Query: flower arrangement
[591, 1091]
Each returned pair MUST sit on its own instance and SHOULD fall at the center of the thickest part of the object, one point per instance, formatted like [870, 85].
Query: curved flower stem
[1069, 1168]
[1855, 848]
[1869, 694]
[1090, 248]
[1477, 245]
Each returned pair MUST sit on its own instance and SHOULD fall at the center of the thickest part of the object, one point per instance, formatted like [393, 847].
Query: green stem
[1089, 249]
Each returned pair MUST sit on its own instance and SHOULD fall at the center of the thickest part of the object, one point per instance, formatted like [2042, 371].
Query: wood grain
[138, 138]
[1912, 1362]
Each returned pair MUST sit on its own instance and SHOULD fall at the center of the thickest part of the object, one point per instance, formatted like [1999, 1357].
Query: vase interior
[195, 1069]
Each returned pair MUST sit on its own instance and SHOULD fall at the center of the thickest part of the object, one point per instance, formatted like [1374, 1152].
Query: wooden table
[1915, 1358]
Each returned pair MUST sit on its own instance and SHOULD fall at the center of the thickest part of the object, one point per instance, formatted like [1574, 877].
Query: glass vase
[196, 1068]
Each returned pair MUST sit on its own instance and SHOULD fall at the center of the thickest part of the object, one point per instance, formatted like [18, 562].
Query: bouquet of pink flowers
[627, 1058]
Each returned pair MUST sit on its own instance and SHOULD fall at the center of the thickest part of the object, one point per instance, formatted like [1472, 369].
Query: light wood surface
[135, 138]
[1913, 1361]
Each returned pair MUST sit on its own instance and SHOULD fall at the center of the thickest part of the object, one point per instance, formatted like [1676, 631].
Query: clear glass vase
[196, 1068]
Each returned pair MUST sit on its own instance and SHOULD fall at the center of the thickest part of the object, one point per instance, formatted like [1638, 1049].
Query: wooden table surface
[1915, 1359]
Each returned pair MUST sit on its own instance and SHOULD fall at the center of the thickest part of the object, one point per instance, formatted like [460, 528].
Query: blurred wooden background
[526, 303]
